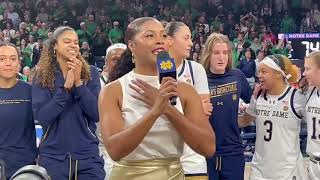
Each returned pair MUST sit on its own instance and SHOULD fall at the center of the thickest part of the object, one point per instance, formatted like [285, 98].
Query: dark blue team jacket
[17, 131]
[68, 118]
[225, 91]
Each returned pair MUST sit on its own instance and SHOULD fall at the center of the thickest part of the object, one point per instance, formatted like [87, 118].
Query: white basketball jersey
[192, 162]
[313, 122]
[277, 150]
[184, 73]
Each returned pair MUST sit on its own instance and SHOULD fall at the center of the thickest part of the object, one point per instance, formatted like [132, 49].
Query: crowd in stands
[252, 25]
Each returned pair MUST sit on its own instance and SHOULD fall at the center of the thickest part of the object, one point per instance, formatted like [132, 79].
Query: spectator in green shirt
[91, 25]
[28, 51]
[281, 48]
[115, 35]
[26, 74]
[195, 31]
[16, 39]
[28, 22]
[107, 26]
[216, 24]
[83, 33]
[34, 31]
[256, 45]
[43, 31]
[287, 24]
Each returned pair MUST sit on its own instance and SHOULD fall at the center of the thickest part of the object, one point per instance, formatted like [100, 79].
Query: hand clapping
[73, 76]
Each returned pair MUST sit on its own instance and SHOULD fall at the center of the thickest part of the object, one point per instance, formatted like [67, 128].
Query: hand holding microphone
[157, 99]
[167, 71]
[168, 90]
[160, 98]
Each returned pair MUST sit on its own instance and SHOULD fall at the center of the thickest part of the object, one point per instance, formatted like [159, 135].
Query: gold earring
[132, 59]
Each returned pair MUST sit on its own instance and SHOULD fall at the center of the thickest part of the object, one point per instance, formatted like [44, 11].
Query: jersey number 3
[315, 124]
[268, 136]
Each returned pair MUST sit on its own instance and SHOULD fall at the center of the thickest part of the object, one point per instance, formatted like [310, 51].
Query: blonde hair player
[227, 85]
[278, 109]
[312, 71]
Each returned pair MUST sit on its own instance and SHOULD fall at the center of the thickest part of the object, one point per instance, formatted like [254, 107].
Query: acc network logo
[166, 65]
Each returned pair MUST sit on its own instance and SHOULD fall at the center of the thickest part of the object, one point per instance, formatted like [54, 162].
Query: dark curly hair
[48, 64]
[125, 64]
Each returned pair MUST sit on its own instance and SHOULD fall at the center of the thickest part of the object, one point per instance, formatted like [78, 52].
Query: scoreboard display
[302, 44]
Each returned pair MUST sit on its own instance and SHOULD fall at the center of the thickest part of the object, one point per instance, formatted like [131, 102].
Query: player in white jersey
[312, 71]
[193, 73]
[277, 109]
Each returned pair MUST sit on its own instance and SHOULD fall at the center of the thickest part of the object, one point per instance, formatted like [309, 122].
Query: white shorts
[192, 162]
[298, 173]
[108, 162]
[301, 172]
[314, 170]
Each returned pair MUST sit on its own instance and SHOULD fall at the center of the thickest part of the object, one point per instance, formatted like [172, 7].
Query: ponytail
[294, 71]
[288, 68]
[123, 66]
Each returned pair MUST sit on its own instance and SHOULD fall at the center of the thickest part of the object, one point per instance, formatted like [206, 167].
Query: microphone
[166, 68]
